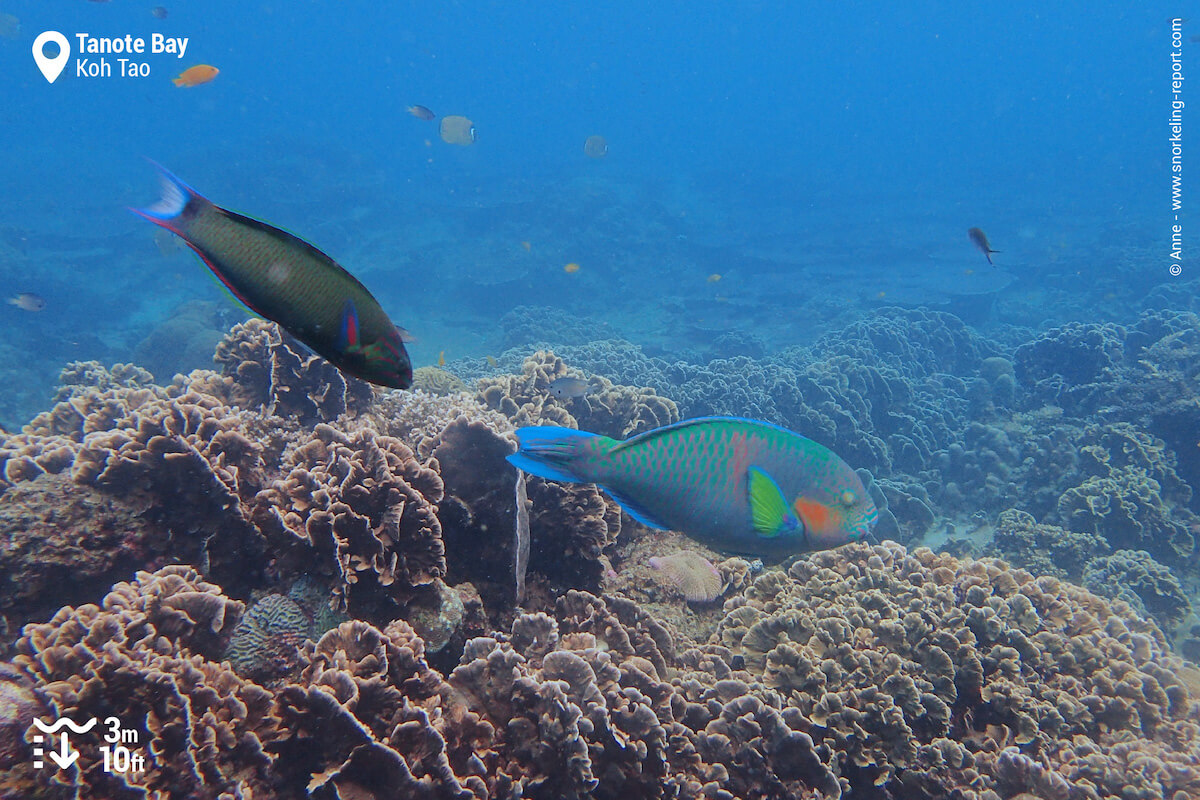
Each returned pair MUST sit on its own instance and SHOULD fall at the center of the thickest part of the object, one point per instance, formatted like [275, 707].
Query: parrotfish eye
[849, 498]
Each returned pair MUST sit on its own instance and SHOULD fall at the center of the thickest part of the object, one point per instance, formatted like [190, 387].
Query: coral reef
[889, 654]
[869, 670]
[361, 508]
[693, 575]
[1130, 494]
[1146, 585]
[1072, 366]
[435, 380]
[606, 408]
[1045, 549]
[141, 656]
[263, 367]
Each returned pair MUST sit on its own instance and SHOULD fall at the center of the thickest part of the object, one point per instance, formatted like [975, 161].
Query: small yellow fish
[571, 268]
[527, 246]
[194, 76]
[881, 295]
[442, 358]
[491, 361]
[716, 276]
[968, 272]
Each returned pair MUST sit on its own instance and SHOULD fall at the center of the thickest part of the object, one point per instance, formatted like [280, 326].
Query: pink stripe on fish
[741, 455]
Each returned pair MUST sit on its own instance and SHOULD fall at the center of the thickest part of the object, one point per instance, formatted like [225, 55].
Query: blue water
[788, 181]
[821, 160]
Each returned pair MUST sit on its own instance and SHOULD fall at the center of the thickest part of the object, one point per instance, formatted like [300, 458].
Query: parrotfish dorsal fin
[769, 509]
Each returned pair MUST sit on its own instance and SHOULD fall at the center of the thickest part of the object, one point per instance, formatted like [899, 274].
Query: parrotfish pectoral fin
[175, 198]
[348, 337]
[769, 509]
[550, 452]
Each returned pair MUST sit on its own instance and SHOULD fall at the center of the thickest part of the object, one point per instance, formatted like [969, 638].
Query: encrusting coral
[864, 670]
[361, 507]
[604, 408]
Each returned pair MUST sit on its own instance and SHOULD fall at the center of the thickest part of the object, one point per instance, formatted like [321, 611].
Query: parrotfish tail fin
[769, 510]
[176, 198]
[554, 453]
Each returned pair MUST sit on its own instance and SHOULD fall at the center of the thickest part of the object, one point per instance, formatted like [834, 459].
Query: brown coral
[263, 366]
[606, 408]
[359, 507]
[140, 657]
[886, 652]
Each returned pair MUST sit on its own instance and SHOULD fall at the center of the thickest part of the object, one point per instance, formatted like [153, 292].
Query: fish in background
[421, 112]
[567, 387]
[10, 26]
[980, 240]
[288, 281]
[737, 485]
[457, 130]
[194, 76]
[28, 301]
[595, 147]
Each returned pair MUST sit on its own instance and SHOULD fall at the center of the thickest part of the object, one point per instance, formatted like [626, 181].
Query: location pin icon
[51, 67]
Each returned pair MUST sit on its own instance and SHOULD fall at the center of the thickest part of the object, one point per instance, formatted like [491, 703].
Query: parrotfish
[738, 485]
[980, 240]
[288, 281]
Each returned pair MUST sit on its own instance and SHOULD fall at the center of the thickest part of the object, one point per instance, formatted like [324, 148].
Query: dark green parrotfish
[738, 485]
[288, 281]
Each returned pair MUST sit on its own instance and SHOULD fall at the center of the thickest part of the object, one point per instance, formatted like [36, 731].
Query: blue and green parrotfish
[737, 485]
[288, 281]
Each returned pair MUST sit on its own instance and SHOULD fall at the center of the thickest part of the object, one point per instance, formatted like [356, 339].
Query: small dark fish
[28, 301]
[980, 240]
[565, 387]
[159, 12]
[421, 112]
[287, 280]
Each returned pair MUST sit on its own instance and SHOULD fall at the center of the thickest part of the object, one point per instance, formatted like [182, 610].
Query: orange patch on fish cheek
[816, 516]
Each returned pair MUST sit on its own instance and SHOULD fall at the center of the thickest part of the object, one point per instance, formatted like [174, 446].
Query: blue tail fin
[175, 198]
[553, 453]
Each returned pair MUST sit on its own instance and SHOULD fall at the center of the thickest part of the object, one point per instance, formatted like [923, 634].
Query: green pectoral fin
[769, 509]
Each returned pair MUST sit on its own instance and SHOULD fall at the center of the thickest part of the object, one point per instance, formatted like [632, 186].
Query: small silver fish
[28, 301]
[565, 387]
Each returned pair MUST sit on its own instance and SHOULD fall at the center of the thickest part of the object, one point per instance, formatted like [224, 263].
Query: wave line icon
[65, 723]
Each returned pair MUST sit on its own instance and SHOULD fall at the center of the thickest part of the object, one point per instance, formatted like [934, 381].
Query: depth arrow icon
[66, 757]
